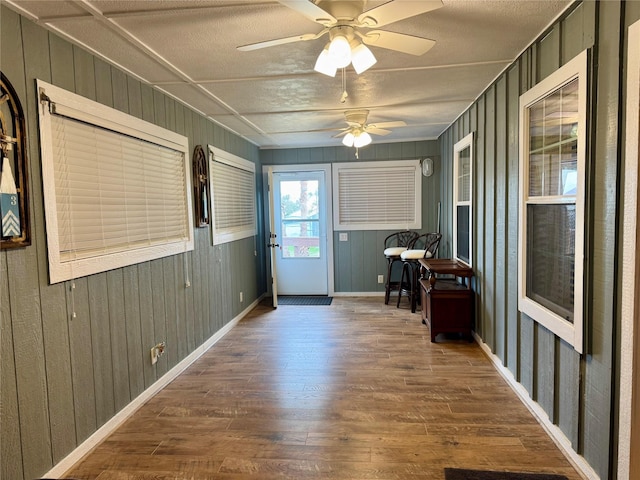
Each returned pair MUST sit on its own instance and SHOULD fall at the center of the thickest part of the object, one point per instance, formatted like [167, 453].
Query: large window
[233, 185]
[552, 192]
[377, 195]
[116, 188]
[462, 199]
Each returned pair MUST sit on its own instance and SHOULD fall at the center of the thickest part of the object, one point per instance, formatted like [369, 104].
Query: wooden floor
[354, 390]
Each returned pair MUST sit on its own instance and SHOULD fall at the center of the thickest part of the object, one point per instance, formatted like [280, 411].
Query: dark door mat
[303, 300]
[464, 474]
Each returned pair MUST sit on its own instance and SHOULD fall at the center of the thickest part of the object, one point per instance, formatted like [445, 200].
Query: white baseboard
[358, 294]
[119, 418]
[558, 437]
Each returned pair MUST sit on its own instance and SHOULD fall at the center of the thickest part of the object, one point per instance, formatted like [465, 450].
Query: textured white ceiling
[272, 96]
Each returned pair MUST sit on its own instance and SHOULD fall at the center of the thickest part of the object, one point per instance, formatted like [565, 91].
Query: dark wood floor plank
[351, 391]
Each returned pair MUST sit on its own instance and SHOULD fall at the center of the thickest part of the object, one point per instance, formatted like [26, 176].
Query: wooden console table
[447, 303]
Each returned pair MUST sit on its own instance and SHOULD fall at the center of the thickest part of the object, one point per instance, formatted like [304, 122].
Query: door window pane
[300, 218]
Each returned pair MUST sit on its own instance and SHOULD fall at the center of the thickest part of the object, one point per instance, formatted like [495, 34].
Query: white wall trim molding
[630, 339]
[358, 294]
[119, 418]
[558, 437]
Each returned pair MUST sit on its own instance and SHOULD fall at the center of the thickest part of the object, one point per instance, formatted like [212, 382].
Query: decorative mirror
[14, 206]
[200, 187]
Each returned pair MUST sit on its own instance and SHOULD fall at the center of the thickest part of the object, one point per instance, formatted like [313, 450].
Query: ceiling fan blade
[281, 41]
[310, 10]
[400, 42]
[397, 123]
[376, 130]
[344, 132]
[394, 11]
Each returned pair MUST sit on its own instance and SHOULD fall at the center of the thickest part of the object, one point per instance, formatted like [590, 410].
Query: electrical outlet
[380, 278]
[241, 297]
[344, 237]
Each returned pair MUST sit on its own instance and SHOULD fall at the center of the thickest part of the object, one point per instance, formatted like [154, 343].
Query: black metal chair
[394, 245]
[423, 246]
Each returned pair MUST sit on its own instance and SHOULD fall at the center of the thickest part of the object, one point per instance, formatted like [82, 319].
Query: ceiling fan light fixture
[348, 140]
[362, 58]
[340, 51]
[362, 140]
[325, 64]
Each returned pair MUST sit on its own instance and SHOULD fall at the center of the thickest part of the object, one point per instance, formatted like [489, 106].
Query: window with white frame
[462, 199]
[552, 200]
[377, 195]
[117, 189]
[233, 186]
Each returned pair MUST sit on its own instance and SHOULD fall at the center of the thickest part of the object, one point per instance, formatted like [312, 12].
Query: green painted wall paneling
[69, 375]
[575, 391]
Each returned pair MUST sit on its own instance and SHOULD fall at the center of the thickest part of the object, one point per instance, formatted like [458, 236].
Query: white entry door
[300, 213]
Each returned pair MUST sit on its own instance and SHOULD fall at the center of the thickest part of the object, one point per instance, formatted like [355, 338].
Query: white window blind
[377, 195]
[233, 196]
[112, 198]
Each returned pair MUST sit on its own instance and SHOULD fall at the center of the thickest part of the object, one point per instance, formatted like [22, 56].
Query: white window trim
[572, 333]
[466, 142]
[83, 109]
[226, 158]
[413, 165]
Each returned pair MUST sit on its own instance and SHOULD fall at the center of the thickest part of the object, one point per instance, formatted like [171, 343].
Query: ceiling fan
[351, 29]
[358, 132]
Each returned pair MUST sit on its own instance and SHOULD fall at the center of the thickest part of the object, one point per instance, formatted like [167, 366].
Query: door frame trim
[310, 167]
[629, 389]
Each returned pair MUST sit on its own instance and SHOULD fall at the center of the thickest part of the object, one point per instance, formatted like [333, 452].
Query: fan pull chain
[344, 96]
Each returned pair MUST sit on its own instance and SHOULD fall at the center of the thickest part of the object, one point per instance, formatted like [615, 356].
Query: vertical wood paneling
[544, 384]
[134, 96]
[11, 444]
[500, 186]
[479, 212]
[548, 54]
[115, 289]
[24, 299]
[120, 91]
[84, 396]
[601, 271]
[134, 334]
[169, 276]
[341, 264]
[357, 259]
[215, 311]
[227, 279]
[159, 314]
[527, 352]
[489, 292]
[101, 346]
[370, 271]
[568, 391]
[52, 297]
[511, 267]
[147, 330]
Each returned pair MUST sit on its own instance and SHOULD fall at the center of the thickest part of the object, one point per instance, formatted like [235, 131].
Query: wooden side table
[447, 303]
